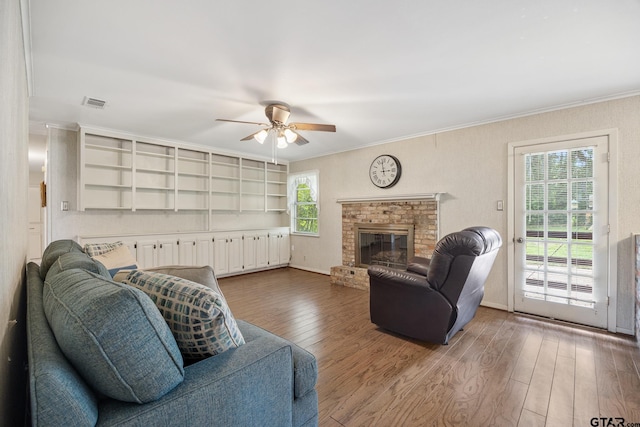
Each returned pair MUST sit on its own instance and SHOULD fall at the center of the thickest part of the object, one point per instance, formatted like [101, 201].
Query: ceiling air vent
[93, 102]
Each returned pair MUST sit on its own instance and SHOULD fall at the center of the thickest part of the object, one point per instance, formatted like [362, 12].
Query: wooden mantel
[391, 198]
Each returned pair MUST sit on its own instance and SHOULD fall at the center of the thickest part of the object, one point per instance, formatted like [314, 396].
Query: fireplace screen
[390, 245]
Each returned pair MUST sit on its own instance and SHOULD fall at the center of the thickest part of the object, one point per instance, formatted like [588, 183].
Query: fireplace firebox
[390, 245]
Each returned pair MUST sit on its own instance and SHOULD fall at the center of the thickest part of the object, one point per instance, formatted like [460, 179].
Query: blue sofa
[267, 381]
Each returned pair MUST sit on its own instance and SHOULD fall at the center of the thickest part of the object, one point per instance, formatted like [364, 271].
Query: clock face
[385, 171]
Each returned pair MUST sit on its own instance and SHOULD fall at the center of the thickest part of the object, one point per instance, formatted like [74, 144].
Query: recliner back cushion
[113, 335]
[450, 246]
[53, 251]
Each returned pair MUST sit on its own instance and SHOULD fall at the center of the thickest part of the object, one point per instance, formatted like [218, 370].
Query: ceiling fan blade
[240, 121]
[300, 140]
[313, 126]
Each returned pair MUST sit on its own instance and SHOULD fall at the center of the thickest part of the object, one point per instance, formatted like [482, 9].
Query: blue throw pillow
[113, 335]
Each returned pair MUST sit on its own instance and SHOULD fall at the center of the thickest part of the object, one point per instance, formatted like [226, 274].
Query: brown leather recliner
[435, 298]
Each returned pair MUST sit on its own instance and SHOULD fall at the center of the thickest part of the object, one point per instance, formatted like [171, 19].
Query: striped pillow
[198, 316]
[95, 249]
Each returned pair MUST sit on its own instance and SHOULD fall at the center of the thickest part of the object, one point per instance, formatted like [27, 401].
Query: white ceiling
[378, 70]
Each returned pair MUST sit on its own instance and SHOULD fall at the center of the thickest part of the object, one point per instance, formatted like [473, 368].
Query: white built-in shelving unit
[123, 172]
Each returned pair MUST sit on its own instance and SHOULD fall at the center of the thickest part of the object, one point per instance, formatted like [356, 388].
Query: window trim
[313, 180]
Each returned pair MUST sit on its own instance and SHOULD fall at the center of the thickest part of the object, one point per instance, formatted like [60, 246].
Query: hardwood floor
[503, 369]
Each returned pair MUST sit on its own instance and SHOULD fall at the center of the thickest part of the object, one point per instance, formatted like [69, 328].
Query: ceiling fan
[278, 114]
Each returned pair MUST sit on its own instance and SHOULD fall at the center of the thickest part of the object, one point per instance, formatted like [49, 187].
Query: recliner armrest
[395, 277]
[419, 265]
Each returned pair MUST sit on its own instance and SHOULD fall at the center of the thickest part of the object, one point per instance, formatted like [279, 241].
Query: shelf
[276, 195]
[162, 171]
[189, 159]
[230, 178]
[201, 175]
[148, 188]
[159, 155]
[277, 182]
[98, 165]
[111, 208]
[233, 165]
[192, 190]
[109, 185]
[276, 210]
[107, 148]
[252, 180]
[235, 193]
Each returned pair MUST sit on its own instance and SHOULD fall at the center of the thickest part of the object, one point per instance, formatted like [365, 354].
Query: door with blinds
[561, 229]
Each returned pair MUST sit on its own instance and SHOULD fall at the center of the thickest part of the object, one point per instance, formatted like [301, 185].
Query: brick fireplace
[421, 211]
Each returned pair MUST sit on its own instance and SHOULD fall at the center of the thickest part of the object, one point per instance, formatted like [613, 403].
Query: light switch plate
[64, 206]
[500, 205]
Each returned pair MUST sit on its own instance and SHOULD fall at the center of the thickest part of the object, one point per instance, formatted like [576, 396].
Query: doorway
[560, 263]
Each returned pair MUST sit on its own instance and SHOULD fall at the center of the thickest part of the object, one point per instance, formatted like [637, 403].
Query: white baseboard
[494, 305]
[312, 270]
[624, 331]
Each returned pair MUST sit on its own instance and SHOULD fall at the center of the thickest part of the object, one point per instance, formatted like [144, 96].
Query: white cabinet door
[146, 253]
[262, 250]
[274, 249]
[283, 248]
[220, 255]
[278, 248]
[187, 251]
[234, 247]
[167, 252]
[249, 252]
[204, 251]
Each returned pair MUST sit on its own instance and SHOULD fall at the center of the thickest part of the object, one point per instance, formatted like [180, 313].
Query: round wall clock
[385, 171]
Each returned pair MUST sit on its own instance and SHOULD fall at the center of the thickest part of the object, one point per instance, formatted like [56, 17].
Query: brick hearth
[423, 214]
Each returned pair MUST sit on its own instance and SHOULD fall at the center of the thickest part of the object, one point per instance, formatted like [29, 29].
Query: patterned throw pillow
[198, 316]
[95, 249]
[117, 259]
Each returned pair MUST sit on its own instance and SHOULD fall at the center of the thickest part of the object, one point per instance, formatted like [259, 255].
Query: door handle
[519, 240]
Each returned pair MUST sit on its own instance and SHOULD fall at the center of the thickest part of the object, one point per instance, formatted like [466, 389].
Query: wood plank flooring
[503, 369]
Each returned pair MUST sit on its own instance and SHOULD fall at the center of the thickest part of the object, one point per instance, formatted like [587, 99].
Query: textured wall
[14, 175]
[470, 165]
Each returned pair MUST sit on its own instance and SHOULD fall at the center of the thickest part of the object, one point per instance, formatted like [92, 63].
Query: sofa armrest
[249, 385]
[305, 367]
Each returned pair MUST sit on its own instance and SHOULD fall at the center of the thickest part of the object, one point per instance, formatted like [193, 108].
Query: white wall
[470, 165]
[62, 186]
[14, 175]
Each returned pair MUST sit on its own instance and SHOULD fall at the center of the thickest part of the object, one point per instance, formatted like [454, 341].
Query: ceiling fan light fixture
[261, 136]
[290, 135]
[282, 141]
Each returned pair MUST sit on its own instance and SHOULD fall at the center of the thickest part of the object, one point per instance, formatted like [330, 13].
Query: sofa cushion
[113, 335]
[95, 249]
[77, 260]
[117, 259]
[53, 251]
[198, 316]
